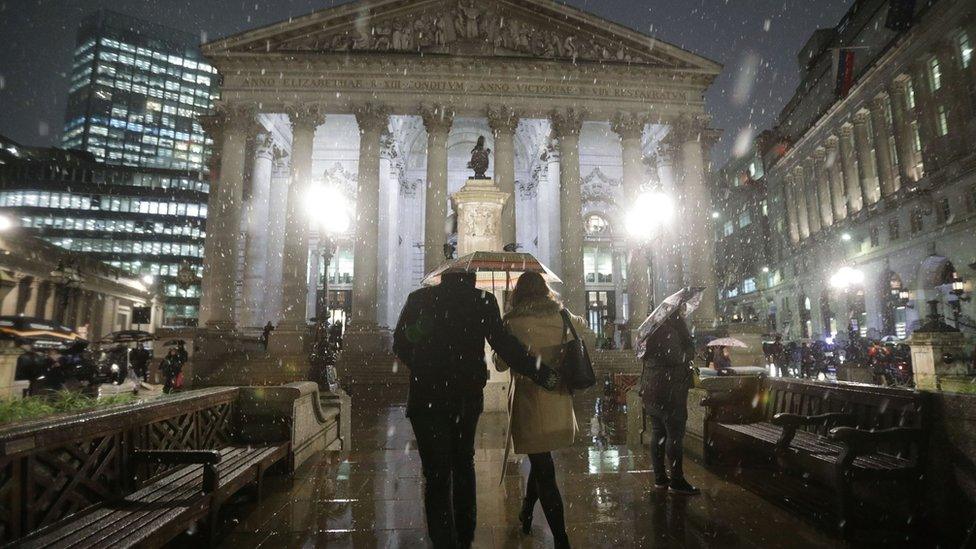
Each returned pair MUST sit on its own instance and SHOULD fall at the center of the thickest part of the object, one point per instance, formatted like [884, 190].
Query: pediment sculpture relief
[470, 27]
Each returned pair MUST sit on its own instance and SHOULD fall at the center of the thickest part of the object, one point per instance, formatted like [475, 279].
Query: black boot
[680, 486]
[525, 515]
[661, 481]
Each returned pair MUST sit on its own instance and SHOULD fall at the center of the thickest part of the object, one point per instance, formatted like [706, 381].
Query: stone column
[813, 199]
[886, 165]
[852, 178]
[437, 120]
[865, 160]
[835, 175]
[289, 335]
[373, 121]
[791, 210]
[925, 113]
[277, 214]
[224, 217]
[256, 227]
[693, 212]
[630, 128]
[901, 119]
[503, 122]
[800, 192]
[670, 271]
[956, 95]
[822, 180]
[566, 126]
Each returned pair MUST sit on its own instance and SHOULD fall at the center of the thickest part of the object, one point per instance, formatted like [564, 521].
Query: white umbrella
[727, 342]
[689, 297]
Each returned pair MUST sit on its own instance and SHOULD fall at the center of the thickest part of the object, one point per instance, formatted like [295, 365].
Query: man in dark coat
[667, 377]
[441, 337]
[139, 358]
[31, 366]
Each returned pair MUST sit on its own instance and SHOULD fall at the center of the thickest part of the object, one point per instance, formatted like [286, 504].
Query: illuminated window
[935, 74]
[597, 225]
[942, 120]
[965, 49]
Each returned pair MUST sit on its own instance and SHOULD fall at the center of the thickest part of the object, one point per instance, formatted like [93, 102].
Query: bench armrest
[791, 422]
[868, 439]
[858, 442]
[209, 459]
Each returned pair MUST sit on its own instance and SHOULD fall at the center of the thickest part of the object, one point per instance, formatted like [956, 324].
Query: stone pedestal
[367, 339]
[479, 207]
[287, 340]
[929, 350]
[9, 353]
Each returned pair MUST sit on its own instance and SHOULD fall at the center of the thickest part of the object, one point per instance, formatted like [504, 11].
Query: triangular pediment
[539, 29]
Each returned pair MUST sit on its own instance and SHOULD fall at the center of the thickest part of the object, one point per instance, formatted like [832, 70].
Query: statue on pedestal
[479, 159]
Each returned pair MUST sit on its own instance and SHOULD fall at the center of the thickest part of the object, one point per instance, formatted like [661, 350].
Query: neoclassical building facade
[878, 182]
[383, 100]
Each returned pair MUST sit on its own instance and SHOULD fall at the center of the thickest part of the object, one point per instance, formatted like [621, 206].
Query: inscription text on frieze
[452, 86]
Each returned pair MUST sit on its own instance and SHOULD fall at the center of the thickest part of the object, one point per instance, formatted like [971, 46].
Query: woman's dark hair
[532, 287]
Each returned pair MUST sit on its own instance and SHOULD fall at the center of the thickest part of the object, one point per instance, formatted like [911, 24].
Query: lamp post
[652, 209]
[66, 277]
[328, 209]
[959, 290]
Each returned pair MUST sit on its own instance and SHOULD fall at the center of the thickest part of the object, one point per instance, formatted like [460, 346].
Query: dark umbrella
[174, 343]
[37, 331]
[128, 336]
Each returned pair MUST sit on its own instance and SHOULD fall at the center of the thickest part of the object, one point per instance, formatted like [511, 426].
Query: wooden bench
[163, 509]
[839, 435]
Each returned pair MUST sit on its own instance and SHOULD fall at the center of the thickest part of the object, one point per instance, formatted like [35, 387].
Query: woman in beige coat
[541, 420]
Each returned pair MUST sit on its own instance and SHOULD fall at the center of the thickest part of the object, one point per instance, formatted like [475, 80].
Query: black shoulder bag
[576, 369]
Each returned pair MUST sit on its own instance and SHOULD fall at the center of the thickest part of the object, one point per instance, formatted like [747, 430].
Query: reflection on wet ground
[372, 496]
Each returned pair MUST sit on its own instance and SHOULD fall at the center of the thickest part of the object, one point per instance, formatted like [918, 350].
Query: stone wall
[951, 495]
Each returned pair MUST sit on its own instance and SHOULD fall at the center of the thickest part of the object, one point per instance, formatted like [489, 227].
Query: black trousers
[445, 440]
[542, 487]
[667, 438]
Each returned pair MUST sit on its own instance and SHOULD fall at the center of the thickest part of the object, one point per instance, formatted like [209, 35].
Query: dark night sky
[756, 40]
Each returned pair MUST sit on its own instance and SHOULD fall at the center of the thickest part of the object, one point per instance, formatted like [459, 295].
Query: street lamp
[6, 223]
[846, 277]
[652, 209]
[66, 277]
[958, 289]
[329, 210]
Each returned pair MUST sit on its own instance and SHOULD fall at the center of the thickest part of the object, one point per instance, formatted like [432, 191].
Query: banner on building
[843, 71]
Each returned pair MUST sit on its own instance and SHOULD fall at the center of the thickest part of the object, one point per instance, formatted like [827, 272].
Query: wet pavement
[372, 496]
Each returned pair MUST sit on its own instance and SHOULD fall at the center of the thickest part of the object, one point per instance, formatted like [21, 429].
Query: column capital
[831, 142]
[819, 154]
[437, 118]
[502, 119]
[861, 117]
[228, 117]
[688, 127]
[628, 124]
[305, 116]
[372, 117]
[264, 145]
[846, 131]
[566, 122]
[879, 103]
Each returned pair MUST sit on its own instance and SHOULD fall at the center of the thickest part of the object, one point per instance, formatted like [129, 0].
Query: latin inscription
[455, 86]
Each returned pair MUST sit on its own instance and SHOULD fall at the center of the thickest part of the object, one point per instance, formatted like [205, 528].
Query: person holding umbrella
[667, 351]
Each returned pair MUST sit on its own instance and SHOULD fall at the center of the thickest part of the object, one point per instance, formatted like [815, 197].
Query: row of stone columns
[858, 166]
[236, 126]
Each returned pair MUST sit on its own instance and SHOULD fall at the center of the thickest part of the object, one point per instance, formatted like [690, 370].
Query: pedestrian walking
[440, 337]
[335, 335]
[668, 355]
[139, 358]
[609, 333]
[540, 420]
[266, 334]
[172, 370]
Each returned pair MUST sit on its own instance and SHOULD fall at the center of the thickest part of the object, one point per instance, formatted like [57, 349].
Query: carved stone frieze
[469, 27]
[408, 188]
[598, 186]
[688, 127]
[528, 188]
[305, 116]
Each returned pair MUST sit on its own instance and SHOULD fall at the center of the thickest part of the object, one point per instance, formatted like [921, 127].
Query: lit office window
[935, 74]
[965, 49]
[942, 120]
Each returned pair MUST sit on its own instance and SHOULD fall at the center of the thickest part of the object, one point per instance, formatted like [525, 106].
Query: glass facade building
[138, 198]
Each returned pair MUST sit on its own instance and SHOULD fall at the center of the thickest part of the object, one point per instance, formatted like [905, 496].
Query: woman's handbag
[576, 369]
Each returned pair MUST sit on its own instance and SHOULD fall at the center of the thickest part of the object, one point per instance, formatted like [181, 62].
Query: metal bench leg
[845, 507]
[213, 523]
[260, 483]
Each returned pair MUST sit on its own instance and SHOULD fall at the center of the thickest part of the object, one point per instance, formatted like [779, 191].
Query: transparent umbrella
[495, 270]
[689, 297]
